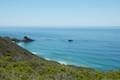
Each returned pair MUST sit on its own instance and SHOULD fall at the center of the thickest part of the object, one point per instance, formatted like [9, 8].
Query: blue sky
[59, 12]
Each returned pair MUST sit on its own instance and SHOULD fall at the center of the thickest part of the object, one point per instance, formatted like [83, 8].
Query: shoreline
[65, 63]
[68, 64]
[48, 59]
[57, 61]
[35, 53]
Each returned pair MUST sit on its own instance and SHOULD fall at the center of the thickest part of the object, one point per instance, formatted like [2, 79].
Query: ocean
[97, 48]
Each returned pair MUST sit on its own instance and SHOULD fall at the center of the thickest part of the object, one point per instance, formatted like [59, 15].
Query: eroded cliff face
[17, 63]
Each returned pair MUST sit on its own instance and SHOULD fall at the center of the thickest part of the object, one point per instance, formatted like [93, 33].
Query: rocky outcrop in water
[25, 39]
[70, 40]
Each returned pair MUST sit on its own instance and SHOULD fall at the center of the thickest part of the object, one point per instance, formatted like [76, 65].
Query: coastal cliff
[17, 63]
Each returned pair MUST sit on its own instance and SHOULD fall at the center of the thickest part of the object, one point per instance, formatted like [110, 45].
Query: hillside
[17, 63]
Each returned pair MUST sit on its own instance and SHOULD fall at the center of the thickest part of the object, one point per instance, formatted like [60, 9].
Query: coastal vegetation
[16, 63]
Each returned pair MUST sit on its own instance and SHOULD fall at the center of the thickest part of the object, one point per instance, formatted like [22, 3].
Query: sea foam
[20, 44]
[34, 52]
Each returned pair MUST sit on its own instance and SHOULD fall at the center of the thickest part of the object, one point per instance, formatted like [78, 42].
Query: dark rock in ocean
[27, 39]
[70, 40]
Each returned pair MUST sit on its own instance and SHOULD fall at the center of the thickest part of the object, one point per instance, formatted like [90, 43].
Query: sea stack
[27, 39]
[70, 40]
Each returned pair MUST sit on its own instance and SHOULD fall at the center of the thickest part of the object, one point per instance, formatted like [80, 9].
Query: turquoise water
[94, 48]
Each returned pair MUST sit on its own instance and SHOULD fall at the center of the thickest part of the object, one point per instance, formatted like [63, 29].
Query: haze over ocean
[59, 13]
